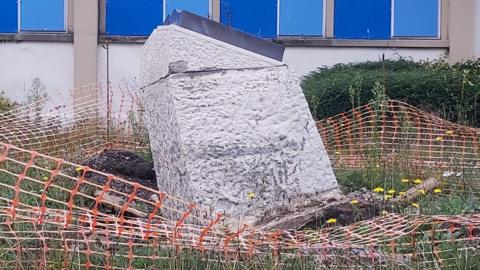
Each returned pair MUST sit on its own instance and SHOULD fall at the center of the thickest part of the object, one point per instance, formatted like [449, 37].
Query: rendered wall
[225, 122]
[124, 66]
[125, 59]
[461, 29]
[477, 30]
[21, 63]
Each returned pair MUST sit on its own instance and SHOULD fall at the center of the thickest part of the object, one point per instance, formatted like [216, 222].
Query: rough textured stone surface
[224, 123]
[171, 48]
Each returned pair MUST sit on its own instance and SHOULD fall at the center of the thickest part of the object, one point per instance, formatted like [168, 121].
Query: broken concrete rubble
[230, 129]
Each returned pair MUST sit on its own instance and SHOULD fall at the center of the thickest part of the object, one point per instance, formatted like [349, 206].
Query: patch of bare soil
[127, 166]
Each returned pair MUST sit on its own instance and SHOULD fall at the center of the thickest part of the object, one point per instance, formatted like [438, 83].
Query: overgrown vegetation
[449, 91]
[5, 103]
[36, 92]
[372, 82]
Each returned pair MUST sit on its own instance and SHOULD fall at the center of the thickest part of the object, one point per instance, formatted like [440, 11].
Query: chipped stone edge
[220, 43]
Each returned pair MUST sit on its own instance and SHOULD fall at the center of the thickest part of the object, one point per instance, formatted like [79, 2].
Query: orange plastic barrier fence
[55, 214]
[77, 124]
[395, 133]
[63, 215]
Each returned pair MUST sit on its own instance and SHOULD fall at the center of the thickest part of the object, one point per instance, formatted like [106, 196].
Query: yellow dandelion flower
[354, 202]
[449, 132]
[338, 153]
[331, 221]
[405, 180]
[78, 169]
[416, 205]
[439, 139]
[421, 191]
[45, 178]
[402, 193]
[391, 191]
[387, 197]
[437, 190]
[378, 189]
[418, 181]
[251, 195]
[384, 212]
[378, 166]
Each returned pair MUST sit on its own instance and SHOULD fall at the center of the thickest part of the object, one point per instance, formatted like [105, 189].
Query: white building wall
[21, 63]
[124, 64]
[125, 59]
[53, 63]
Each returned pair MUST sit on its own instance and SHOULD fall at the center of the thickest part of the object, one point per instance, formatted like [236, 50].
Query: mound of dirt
[126, 165]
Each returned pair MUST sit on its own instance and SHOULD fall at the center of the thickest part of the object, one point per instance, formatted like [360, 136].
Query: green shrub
[5, 103]
[449, 91]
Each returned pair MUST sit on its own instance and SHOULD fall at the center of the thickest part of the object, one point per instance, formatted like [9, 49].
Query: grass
[458, 197]
[459, 202]
[452, 201]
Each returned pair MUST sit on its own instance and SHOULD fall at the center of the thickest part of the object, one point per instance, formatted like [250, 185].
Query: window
[133, 17]
[141, 17]
[199, 7]
[301, 17]
[8, 16]
[362, 19]
[42, 15]
[414, 18]
[257, 17]
[352, 19]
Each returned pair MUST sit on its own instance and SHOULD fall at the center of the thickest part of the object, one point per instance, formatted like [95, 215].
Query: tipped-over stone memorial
[229, 126]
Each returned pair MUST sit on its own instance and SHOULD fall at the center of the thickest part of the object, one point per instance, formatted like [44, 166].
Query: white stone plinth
[225, 123]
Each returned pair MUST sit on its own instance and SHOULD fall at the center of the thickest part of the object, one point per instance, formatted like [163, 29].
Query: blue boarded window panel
[133, 17]
[301, 17]
[199, 7]
[362, 19]
[257, 17]
[414, 18]
[8, 16]
[42, 15]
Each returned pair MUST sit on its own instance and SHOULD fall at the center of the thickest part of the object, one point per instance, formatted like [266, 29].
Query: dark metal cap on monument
[225, 33]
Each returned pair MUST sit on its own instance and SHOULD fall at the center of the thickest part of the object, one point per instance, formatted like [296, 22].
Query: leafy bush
[5, 103]
[449, 91]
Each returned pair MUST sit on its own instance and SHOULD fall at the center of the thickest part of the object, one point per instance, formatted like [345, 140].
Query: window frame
[440, 25]
[102, 28]
[65, 20]
[327, 40]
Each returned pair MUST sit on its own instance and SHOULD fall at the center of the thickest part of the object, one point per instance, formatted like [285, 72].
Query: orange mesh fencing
[77, 124]
[59, 214]
[395, 133]
[55, 214]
